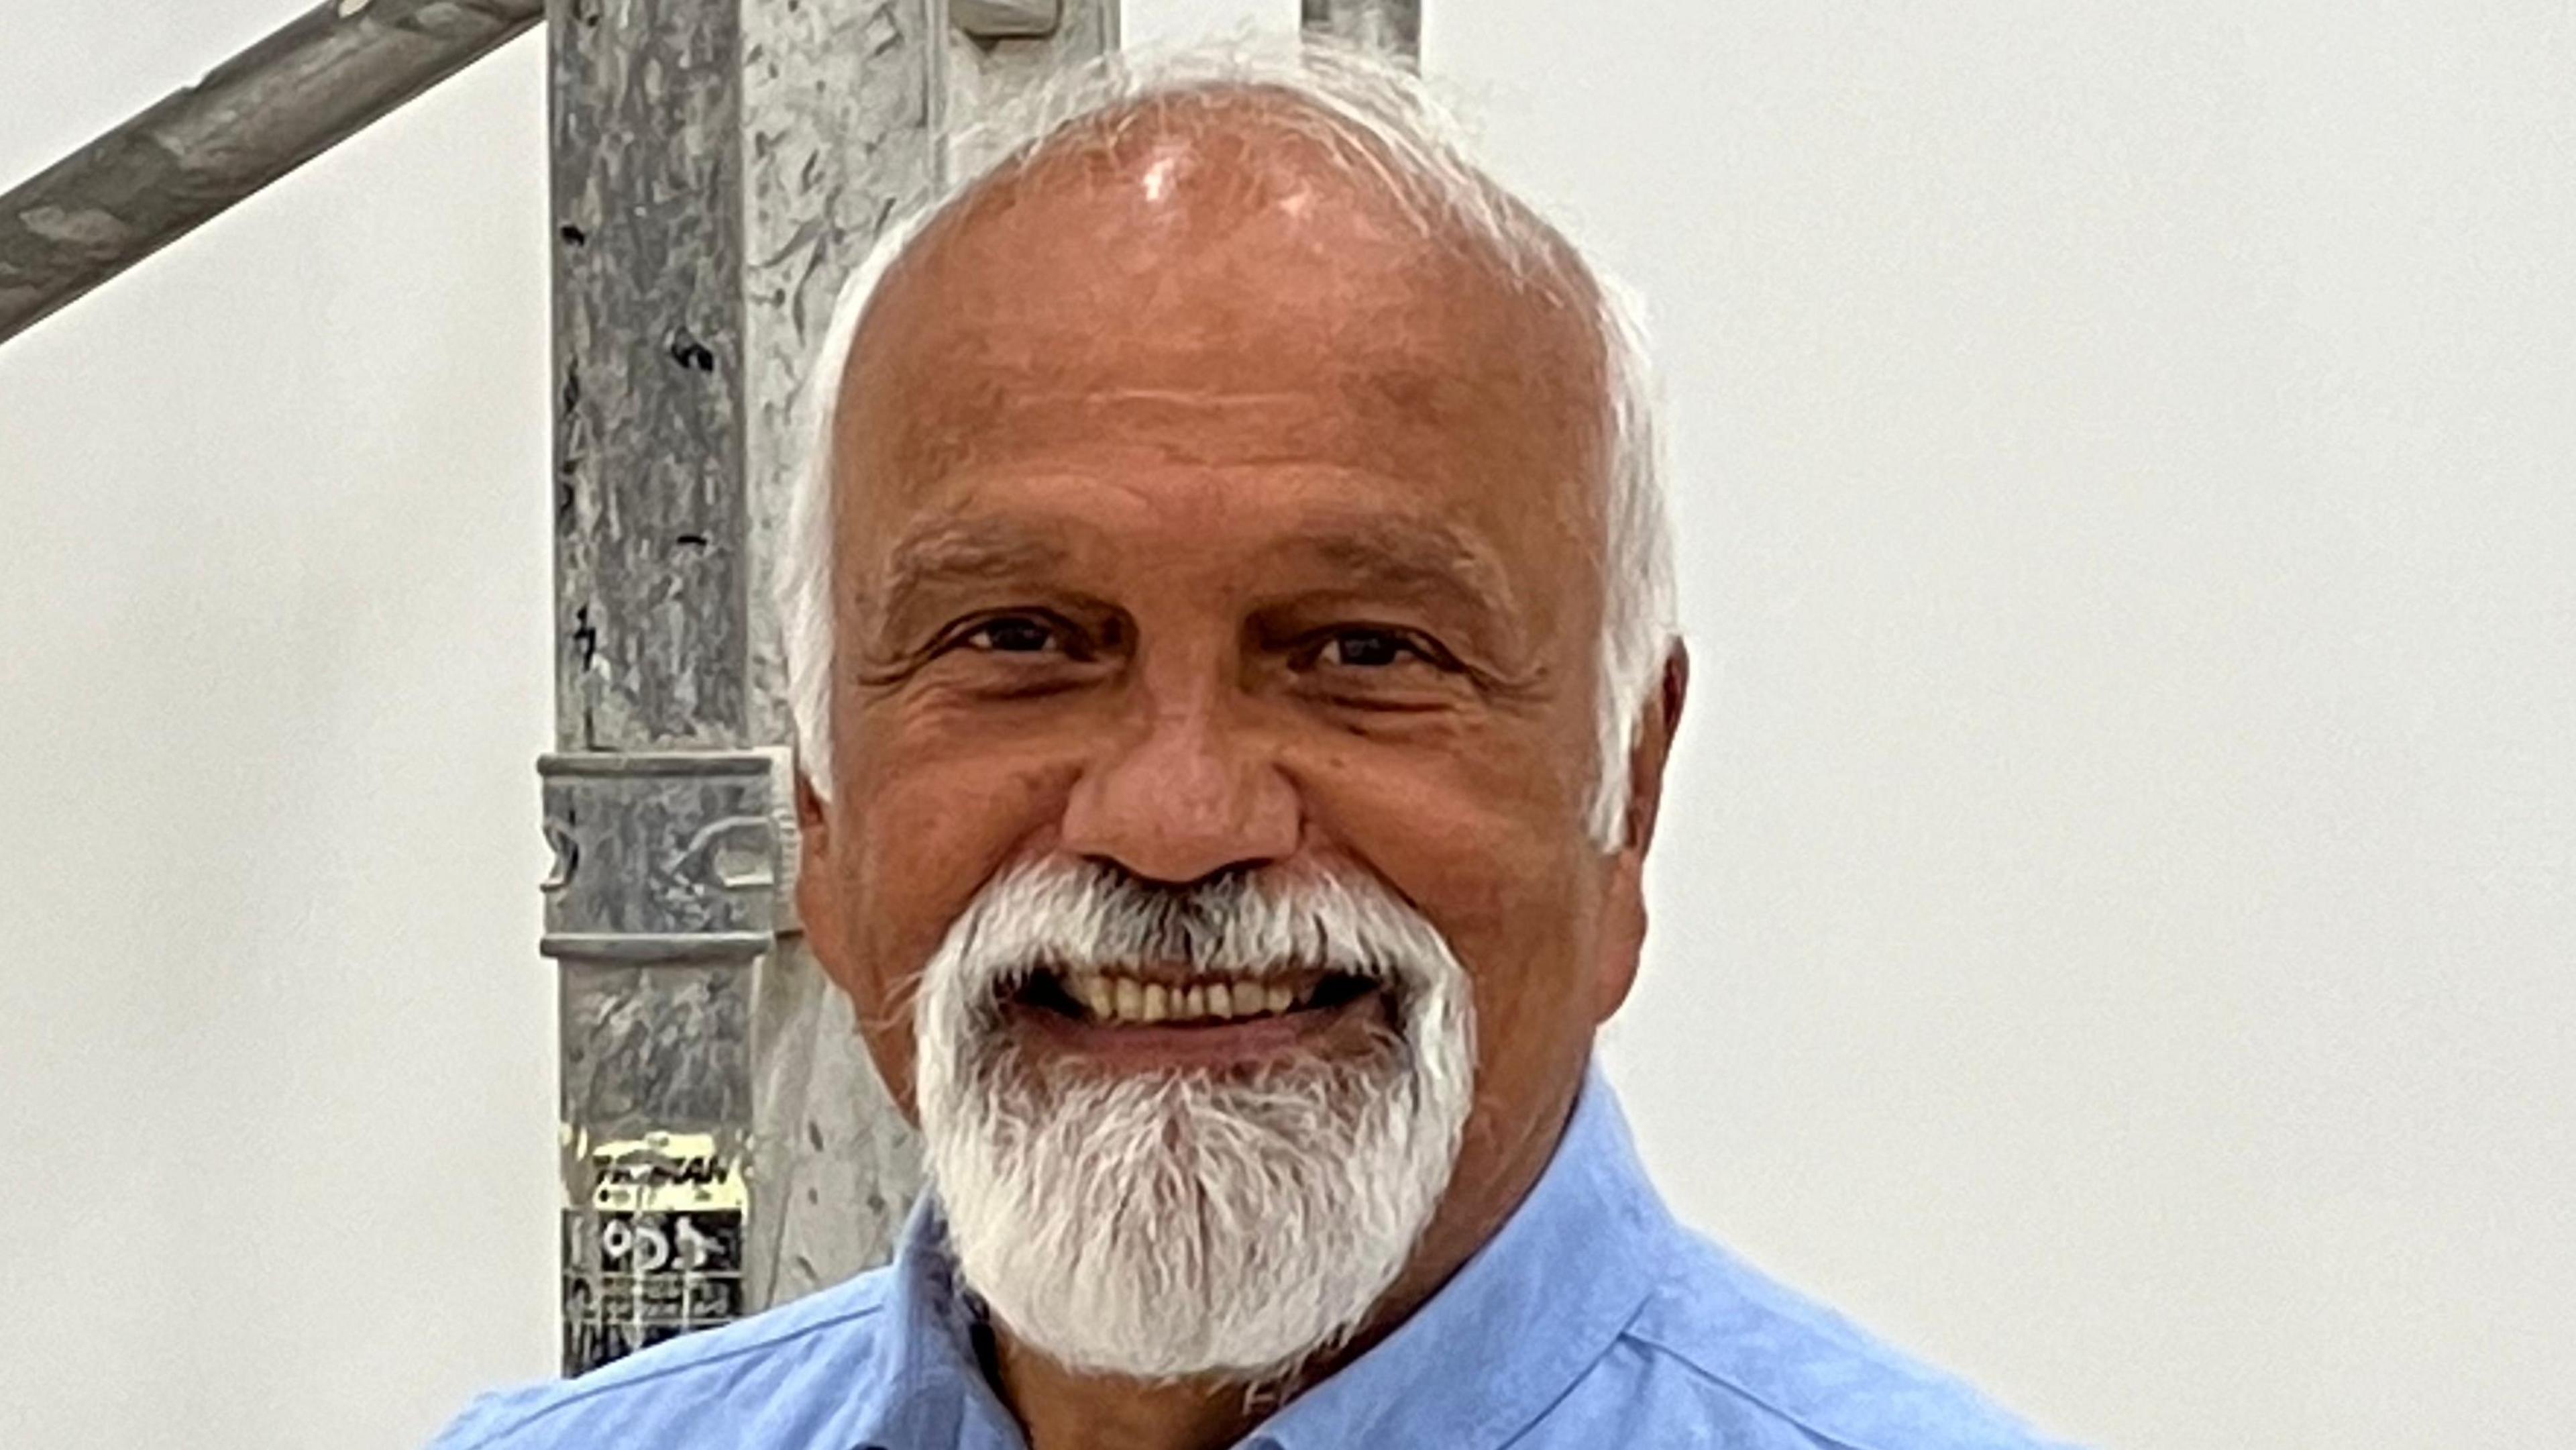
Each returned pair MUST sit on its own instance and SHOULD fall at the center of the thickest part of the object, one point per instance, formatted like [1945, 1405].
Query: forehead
[1223, 288]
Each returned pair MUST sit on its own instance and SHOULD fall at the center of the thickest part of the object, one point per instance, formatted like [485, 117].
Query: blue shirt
[1591, 1320]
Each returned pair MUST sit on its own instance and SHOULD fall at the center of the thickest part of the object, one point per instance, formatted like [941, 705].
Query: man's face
[1199, 517]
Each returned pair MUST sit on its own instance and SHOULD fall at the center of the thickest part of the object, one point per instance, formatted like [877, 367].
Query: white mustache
[1071, 916]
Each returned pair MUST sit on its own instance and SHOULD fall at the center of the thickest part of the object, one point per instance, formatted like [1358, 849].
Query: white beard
[1188, 1223]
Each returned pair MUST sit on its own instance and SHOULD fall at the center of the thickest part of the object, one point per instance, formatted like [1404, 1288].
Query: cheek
[1486, 837]
[927, 833]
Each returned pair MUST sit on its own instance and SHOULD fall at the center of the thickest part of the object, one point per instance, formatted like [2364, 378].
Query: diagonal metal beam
[256, 117]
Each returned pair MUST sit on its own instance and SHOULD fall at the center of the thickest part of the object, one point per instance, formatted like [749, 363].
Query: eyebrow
[953, 551]
[1410, 556]
[1392, 554]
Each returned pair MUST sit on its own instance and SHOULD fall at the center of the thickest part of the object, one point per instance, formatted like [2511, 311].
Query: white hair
[1179, 1223]
[1384, 125]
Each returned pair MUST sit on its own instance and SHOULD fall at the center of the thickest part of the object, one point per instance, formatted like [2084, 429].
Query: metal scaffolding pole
[718, 169]
[1392, 26]
[297, 93]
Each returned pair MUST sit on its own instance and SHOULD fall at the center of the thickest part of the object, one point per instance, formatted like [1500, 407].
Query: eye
[1364, 649]
[1013, 634]
[1008, 653]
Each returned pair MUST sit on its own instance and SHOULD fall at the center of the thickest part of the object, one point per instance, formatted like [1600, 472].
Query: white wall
[2119, 916]
[2115, 920]
[276, 1051]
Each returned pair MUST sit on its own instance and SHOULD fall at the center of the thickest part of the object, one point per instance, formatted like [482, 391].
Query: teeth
[1109, 997]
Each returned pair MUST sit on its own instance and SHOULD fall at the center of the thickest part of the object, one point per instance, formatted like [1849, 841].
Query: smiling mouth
[1169, 999]
[1166, 1018]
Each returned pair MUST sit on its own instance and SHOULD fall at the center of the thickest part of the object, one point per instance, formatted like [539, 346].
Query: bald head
[1208, 283]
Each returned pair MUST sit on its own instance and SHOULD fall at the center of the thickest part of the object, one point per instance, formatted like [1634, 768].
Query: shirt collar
[931, 1384]
[1501, 1341]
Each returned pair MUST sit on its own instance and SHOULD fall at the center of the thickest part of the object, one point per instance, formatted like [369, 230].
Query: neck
[1061, 1410]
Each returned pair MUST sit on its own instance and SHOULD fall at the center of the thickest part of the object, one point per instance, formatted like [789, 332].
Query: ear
[814, 896]
[1623, 925]
[810, 824]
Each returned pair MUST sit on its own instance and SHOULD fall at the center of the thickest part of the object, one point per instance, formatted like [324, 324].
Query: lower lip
[1351, 1027]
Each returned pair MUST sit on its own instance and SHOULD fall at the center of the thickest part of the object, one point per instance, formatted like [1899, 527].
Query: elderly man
[1234, 683]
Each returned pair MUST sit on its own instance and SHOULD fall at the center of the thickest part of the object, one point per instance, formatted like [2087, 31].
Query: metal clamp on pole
[1006, 19]
[667, 891]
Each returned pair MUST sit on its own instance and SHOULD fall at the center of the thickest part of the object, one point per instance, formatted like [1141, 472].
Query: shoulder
[1719, 1353]
[779, 1377]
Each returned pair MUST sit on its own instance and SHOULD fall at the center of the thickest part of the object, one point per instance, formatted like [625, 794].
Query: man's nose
[1185, 791]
